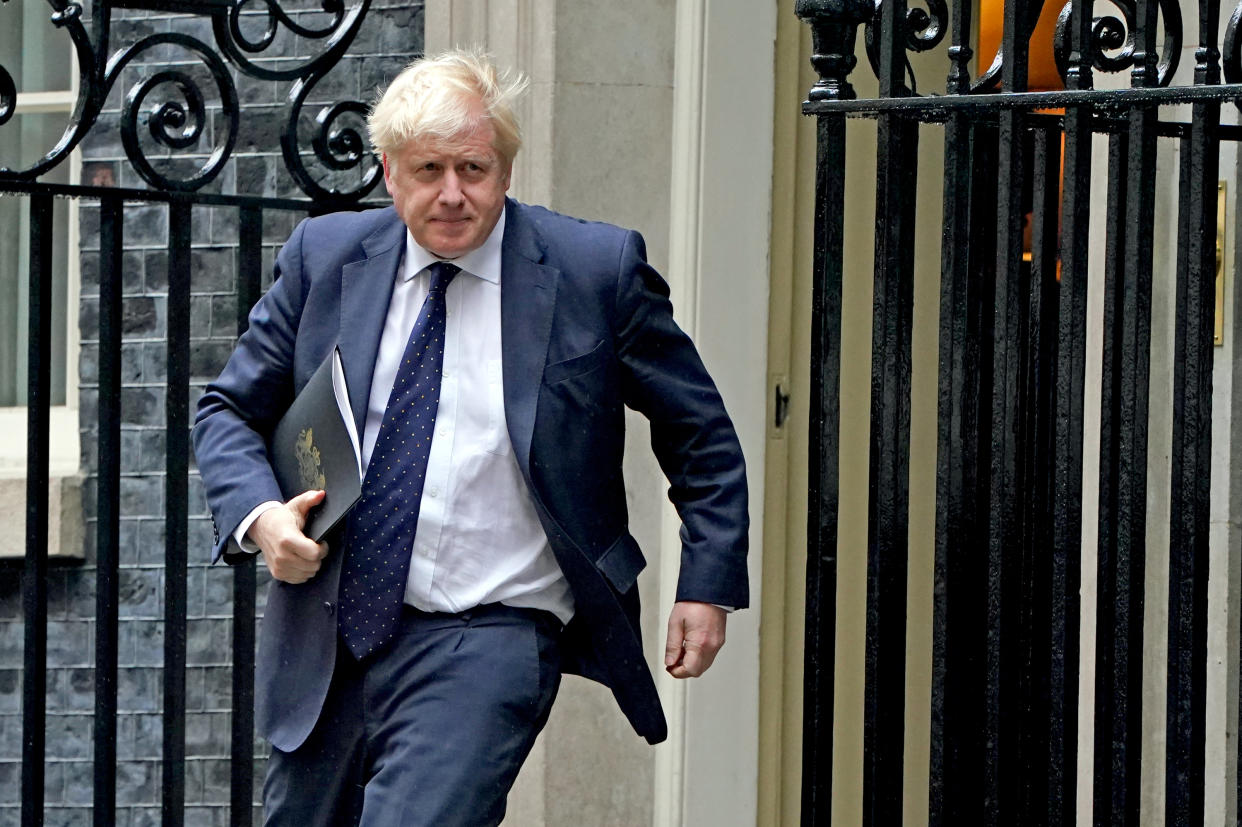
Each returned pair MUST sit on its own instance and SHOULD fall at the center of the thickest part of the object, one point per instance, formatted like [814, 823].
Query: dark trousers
[430, 731]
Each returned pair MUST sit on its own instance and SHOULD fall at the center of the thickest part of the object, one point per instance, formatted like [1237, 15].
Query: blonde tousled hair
[433, 97]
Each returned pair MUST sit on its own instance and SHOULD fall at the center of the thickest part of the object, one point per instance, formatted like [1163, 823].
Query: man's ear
[389, 168]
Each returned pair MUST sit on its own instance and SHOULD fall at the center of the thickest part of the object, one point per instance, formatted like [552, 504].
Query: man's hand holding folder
[290, 555]
[314, 453]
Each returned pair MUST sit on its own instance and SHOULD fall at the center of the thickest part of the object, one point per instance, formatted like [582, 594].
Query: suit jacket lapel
[366, 290]
[527, 302]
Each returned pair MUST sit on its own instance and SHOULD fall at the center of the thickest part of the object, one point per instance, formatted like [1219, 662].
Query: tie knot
[442, 272]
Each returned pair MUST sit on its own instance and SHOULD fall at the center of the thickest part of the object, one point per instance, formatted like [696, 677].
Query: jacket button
[328, 607]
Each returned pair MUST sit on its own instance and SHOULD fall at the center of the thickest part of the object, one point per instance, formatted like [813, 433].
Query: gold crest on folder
[310, 467]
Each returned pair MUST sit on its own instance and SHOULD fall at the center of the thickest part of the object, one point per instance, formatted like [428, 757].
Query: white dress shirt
[478, 539]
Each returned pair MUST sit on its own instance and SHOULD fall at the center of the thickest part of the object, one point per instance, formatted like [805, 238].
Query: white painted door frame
[723, 98]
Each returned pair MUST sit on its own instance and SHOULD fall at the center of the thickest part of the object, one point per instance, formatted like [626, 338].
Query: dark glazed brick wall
[390, 37]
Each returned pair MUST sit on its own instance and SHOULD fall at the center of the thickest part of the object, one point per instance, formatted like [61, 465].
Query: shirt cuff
[244, 542]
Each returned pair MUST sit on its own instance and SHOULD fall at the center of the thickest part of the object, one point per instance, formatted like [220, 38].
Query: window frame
[64, 435]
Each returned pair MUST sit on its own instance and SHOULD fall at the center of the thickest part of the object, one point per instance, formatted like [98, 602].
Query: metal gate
[1016, 237]
[179, 124]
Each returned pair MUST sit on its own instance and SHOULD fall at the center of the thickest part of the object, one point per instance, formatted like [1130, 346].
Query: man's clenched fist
[290, 555]
[696, 631]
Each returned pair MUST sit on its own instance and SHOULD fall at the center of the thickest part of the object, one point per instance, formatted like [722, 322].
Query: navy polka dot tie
[381, 526]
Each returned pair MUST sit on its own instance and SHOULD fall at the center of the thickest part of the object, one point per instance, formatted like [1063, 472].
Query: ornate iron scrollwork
[1232, 64]
[172, 123]
[990, 80]
[337, 145]
[168, 109]
[66, 16]
[1113, 44]
[8, 95]
[924, 30]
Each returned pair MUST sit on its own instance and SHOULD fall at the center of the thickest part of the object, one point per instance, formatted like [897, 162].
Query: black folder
[311, 449]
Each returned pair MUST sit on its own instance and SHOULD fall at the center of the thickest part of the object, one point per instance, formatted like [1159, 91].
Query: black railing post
[1123, 466]
[959, 634]
[1192, 446]
[241, 781]
[1007, 638]
[888, 503]
[1116, 749]
[833, 28]
[108, 507]
[1040, 722]
[1065, 615]
[176, 505]
[34, 583]
[958, 610]
[1123, 481]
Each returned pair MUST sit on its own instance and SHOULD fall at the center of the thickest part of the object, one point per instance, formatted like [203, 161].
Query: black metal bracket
[780, 406]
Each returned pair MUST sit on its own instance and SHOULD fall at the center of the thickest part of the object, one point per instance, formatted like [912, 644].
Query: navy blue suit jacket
[586, 330]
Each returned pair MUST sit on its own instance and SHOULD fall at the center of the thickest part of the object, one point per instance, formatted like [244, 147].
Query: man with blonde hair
[407, 664]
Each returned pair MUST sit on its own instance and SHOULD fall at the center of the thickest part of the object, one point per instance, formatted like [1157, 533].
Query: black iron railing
[1016, 235]
[179, 123]
[163, 124]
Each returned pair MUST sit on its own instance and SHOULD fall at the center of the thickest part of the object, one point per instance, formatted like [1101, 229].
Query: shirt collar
[483, 262]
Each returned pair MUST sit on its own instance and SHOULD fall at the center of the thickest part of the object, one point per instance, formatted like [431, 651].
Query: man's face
[449, 194]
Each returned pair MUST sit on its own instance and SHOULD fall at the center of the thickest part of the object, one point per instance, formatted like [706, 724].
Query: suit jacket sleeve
[691, 434]
[245, 402]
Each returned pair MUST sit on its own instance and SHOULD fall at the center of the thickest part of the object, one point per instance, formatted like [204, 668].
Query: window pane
[34, 51]
[14, 296]
[37, 132]
[12, 302]
[39, 57]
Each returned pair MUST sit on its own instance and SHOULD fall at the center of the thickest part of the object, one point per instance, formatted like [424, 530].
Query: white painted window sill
[66, 524]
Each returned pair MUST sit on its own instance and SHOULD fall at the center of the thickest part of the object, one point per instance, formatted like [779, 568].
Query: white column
[724, 80]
